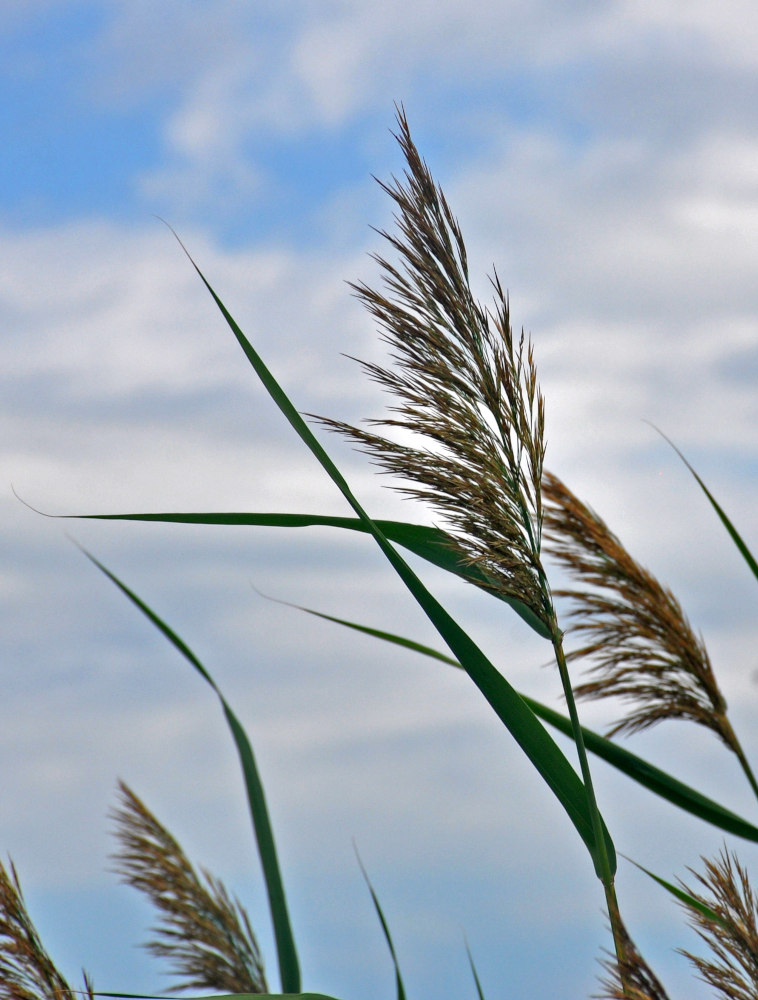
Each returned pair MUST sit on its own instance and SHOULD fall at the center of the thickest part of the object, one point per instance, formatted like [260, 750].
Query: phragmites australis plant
[203, 932]
[464, 434]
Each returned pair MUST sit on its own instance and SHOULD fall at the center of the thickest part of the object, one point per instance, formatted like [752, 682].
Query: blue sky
[606, 160]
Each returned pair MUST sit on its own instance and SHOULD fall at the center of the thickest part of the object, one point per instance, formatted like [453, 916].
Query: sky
[605, 159]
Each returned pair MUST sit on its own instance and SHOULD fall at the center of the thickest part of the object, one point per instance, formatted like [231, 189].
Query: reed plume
[465, 386]
[26, 970]
[733, 968]
[629, 977]
[644, 648]
[202, 931]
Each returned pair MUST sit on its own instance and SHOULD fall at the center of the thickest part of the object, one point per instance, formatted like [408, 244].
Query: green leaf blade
[684, 897]
[289, 967]
[644, 773]
[732, 531]
[521, 722]
[430, 543]
[400, 988]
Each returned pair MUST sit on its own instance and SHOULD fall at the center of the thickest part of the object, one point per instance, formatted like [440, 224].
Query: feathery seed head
[732, 969]
[464, 385]
[203, 932]
[26, 970]
[631, 978]
[643, 645]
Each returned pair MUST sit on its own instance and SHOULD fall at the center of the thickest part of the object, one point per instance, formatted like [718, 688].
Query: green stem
[619, 935]
[602, 860]
[747, 769]
[597, 826]
[729, 737]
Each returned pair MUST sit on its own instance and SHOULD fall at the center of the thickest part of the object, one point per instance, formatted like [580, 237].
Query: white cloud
[629, 252]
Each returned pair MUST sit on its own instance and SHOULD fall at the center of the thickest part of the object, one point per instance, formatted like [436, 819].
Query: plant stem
[747, 769]
[731, 740]
[602, 861]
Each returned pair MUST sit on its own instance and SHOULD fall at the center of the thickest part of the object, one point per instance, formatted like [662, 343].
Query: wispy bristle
[203, 932]
[630, 978]
[26, 970]
[464, 385]
[644, 649]
[733, 967]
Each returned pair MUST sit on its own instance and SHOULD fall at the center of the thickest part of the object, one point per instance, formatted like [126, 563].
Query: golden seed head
[465, 387]
[644, 648]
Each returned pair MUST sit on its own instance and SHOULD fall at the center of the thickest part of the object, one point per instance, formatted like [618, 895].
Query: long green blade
[684, 897]
[733, 533]
[432, 544]
[651, 777]
[641, 771]
[223, 996]
[398, 640]
[521, 722]
[289, 968]
[385, 928]
[475, 974]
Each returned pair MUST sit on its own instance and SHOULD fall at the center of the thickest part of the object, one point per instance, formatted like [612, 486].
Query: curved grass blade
[654, 779]
[289, 968]
[651, 777]
[398, 640]
[432, 544]
[479, 991]
[222, 996]
[526, 729]
[385, 928]
[734, 534]
[684, 897]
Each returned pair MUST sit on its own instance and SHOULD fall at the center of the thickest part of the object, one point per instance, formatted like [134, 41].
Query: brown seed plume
[26, 970]
[732, 968]
[631, 978]
[464, 385]
[644, 649]
[203, 932]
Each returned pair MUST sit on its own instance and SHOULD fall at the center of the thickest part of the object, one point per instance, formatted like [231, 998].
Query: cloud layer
[604, 160]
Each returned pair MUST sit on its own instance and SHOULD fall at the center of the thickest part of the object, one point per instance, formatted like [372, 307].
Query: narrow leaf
[385, 928]
[398, 640]
[639, 770]
[223, 996]
[521, 722]
[479, 991]
[651, 777]
[289, 968]
[734, 534]
[684, 897]
[432, 544]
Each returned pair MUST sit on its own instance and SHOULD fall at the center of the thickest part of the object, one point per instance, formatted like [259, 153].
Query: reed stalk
[466, 388]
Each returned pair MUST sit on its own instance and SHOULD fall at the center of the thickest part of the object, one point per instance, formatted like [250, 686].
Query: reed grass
[27, 972]
[464, 385]
[629, 978]
[731, 967]
[464, 392]
[203, 933]
[644, 648]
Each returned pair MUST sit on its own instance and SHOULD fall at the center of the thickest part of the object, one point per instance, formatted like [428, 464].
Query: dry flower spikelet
[465, 387]
[732, 968]
[631, 978]
[644, 649]
[203, 932]
[26, 970]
